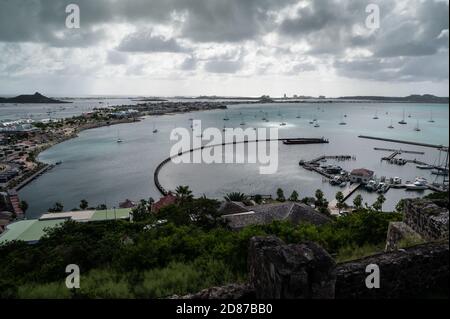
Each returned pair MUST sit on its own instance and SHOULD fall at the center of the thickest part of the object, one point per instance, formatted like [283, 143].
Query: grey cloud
[231, 20]
[189, 64]
[414, 35]
[117, 58]
[223, 66]
[145, 41]
[411, 69]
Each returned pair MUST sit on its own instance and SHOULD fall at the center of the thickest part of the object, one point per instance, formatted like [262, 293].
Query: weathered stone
[426, 218]
[278, 270]
[413, 272]
[399, 232]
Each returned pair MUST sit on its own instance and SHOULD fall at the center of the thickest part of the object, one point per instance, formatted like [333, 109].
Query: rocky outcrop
[280, 271]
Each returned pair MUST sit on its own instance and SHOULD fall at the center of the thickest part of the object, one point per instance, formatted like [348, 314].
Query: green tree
[358, 201]
[280, 195]
[258, 199]
[23, 206]
[84, 204]
[294, 196]
[141, 212]
[57, 208]
[378, 205]
[235, 197]
[320, 198]
[340, 200]
[184, 194]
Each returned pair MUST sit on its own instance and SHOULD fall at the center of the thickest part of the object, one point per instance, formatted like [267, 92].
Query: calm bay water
[97, 168]
[11, 111]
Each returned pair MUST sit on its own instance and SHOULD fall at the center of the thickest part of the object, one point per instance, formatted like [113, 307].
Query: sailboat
[342, 121]
[155, 130]
[298, 115]
[242, 122]
[417, 128]
[376, 115]
[226, 118]
[317, 124]
[119, 140]
[391, 126]
[431, 117]
[403, 122]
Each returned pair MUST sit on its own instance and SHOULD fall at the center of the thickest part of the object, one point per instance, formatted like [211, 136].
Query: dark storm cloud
[411, 44]
[145, 41]
[416, 36]
[44, 20]
[205, 20]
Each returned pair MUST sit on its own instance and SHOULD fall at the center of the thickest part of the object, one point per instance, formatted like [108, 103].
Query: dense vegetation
[190, 251]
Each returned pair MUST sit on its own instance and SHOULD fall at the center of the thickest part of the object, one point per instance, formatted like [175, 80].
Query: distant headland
[34, 98]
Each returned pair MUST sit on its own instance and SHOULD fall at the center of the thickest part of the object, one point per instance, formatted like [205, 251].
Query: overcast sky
[224, 47]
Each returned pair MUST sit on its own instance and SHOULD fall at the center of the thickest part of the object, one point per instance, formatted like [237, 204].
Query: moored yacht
[419, 185]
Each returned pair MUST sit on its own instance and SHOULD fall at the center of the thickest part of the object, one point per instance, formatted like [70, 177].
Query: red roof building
[167, 200]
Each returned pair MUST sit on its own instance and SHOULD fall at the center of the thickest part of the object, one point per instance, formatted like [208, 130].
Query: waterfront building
[361, 175]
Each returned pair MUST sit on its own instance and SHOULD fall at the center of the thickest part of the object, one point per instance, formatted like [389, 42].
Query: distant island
[426, 98]
[34, 99]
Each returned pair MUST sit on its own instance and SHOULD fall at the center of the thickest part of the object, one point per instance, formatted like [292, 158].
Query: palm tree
[184, 194]
[358, 201]
[340, 200]
[235, 197]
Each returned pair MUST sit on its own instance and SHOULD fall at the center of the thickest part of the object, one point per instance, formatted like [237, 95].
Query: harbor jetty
[441, 147]
[314, 165]
[158, 169]
[34, 176]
